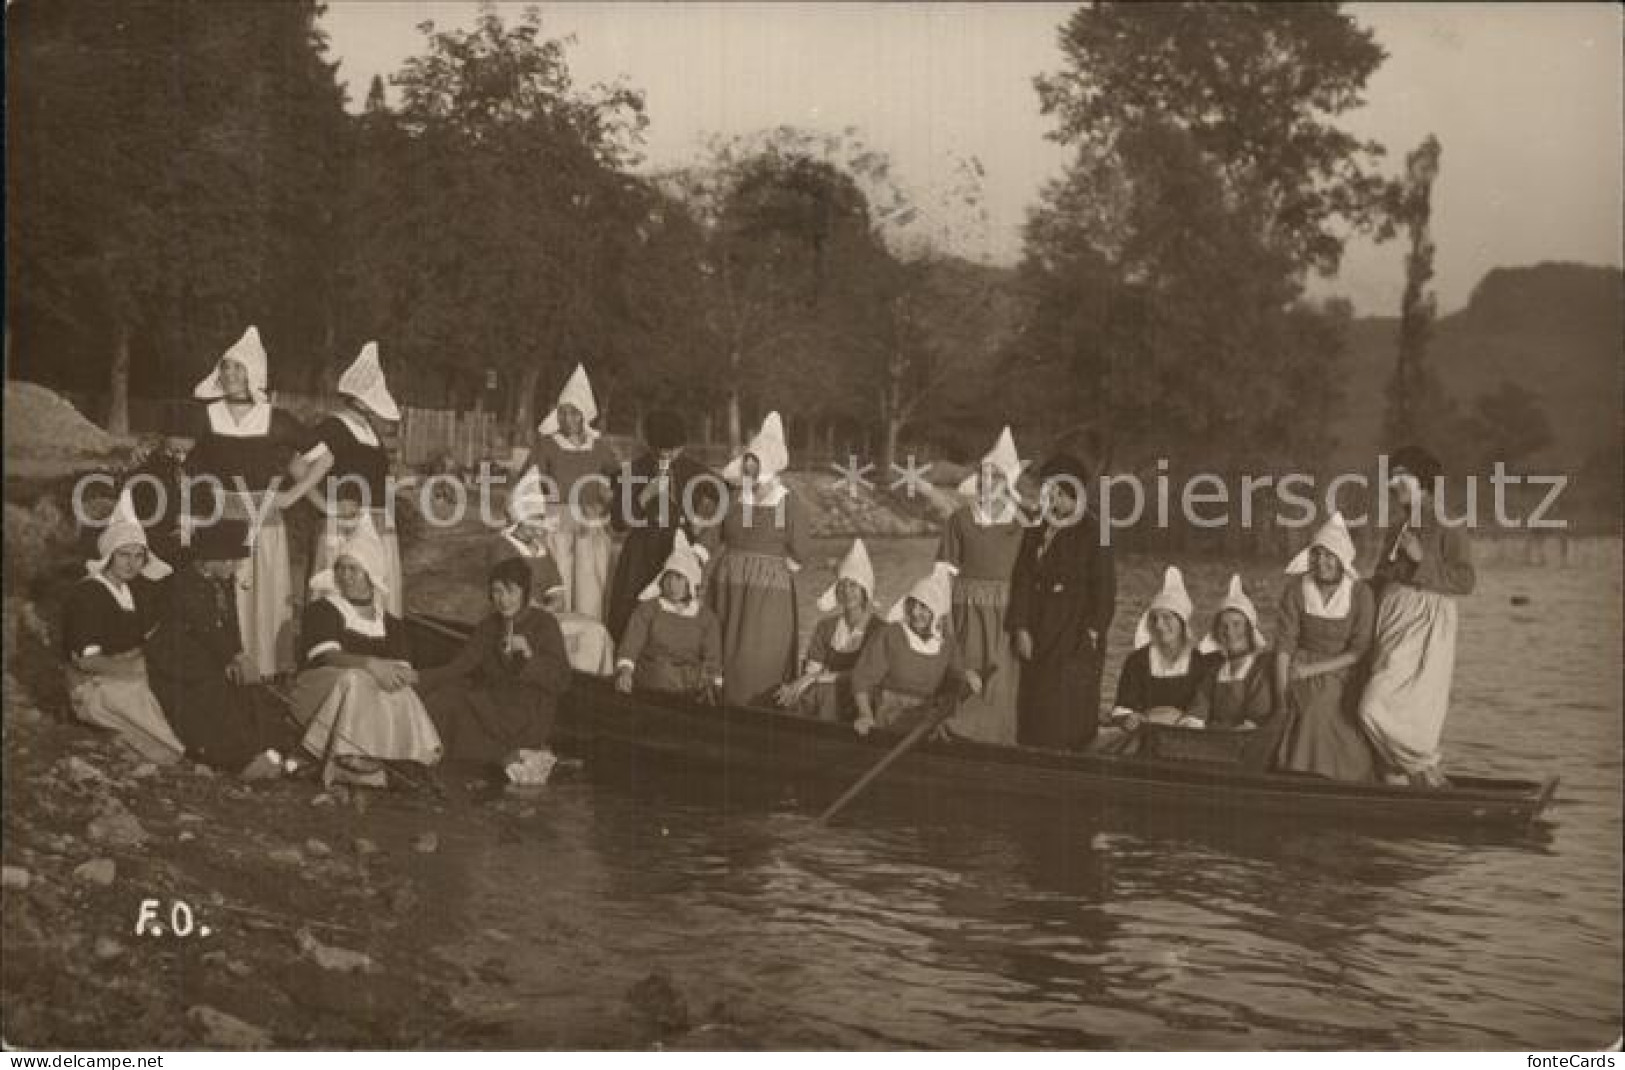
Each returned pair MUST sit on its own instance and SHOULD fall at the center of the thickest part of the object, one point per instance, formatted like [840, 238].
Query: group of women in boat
[1003, 638]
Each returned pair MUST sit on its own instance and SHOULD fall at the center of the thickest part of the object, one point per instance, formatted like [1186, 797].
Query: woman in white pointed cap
[824, 688]
[575, 464]
[354, 693]
[1157, 683]
[673, 642]
[350, 466]
[249, 447]
[1424, 567]
[980, 543]
[1323, 636]
[1238, 691]
[533, 518]
[762, 541]
[106, 618]
[912, 662]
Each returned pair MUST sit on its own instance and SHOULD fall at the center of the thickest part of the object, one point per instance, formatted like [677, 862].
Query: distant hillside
[1555, 329]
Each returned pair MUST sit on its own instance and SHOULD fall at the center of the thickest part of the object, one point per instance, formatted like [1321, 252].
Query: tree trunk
[829, 439]
[736, 440]
[118, 385]
[708, 427]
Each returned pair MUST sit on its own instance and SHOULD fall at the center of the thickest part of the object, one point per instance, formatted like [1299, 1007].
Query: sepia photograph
[872, 527]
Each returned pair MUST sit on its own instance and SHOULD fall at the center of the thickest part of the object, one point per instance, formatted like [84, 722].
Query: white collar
[359, 428]
[120, 591]
[1243, 666]
[255, 424]
[928, 647]
[1003, 513]
[845, 636]
[354, 621]
[1163, 669]
[691, 608]
[524, 547]
[1334, 608]
[763, 495]
[589, 439]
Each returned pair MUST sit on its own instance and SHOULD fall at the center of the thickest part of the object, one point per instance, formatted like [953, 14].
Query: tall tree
[1166, 269]
[1415, 398]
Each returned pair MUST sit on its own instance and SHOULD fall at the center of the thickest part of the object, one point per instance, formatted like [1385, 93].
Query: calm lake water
[897, 930]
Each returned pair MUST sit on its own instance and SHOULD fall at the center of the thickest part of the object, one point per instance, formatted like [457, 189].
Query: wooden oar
[917, 733]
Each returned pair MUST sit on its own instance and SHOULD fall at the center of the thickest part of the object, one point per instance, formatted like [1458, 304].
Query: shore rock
[221, 1030]
[337, 959]
[117, 827]
[99, 871]
[15, 878]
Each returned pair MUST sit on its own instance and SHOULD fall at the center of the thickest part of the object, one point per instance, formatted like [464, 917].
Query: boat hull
[639, 734]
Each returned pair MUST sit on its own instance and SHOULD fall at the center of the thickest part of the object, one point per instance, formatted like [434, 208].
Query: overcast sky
[1526, 99]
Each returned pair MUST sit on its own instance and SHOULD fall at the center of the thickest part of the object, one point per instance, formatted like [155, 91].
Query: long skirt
[348, 716]
[486, 724]
[265, 591]
[333, 535]
[978, 616]
[587, 645]
[581, 548]
[126, 705]
[1059, 701]
[227, 725]
[1320, 734]
[755, 601]
[1408, 695]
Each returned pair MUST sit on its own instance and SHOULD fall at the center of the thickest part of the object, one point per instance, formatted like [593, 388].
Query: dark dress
[94, 623]
[1321, 731]
[360, 471]
[1224, 704]
[830, 698]
[223, 724]
[92, 618]
[1059, 594]
[649, 532]
[488, 704]
[1139, 690]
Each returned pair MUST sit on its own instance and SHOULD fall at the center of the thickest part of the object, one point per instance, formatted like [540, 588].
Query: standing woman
[651, 499]
[575, 462]
[253, 450]
[350, 468]
[1324, 634]
[105, 621]
[1062, 599]
[1424, 567]
[763, 540]
[980, 544]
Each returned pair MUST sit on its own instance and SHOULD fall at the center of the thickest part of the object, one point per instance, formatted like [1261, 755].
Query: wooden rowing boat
[640, 733]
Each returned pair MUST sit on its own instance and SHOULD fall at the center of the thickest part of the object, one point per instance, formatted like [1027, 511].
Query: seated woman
[910, 664]
[673, 643]
[198, 668]
[1237, 693]
[1325, 632]
[1157, 683]
[104, 625]
[824, 688]
[529, 539]
[495, 701]
[354, 692]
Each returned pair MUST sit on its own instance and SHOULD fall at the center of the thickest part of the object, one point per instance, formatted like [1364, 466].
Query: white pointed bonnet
[1174, 598]
[769, 450]
[1235, 598]
[854, 566]
[682, 560]
[123, 529]
[1334, 537]
[362, 546]
[934, 592]
[246, 351]
[1003, 457]
[577, 392]
[364, 381]
[528, 500]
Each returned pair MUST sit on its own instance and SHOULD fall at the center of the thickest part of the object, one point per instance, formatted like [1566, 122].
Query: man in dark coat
[196, 667]
[1063, 594]
[650, 499]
